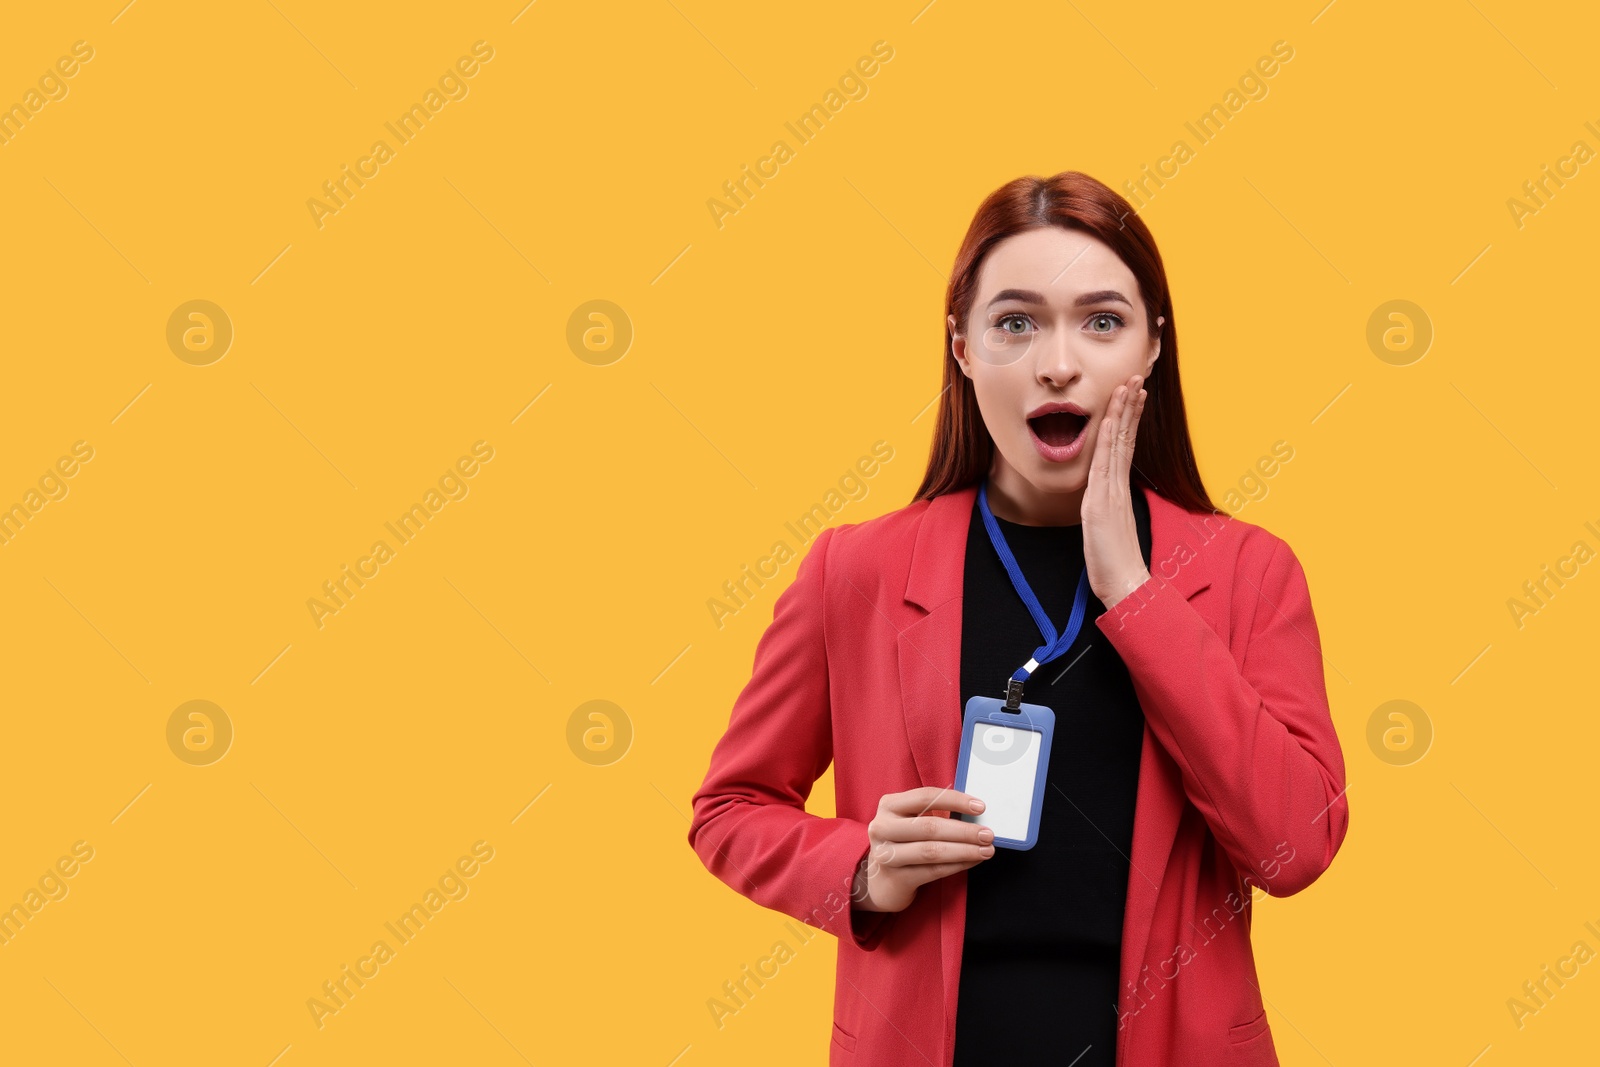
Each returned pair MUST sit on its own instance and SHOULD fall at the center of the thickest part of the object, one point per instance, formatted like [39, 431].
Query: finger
[931, 827]
[1125, 427]
[927, 798]
[1133, 424]
[1108, 435]
[932, 872]
[1100, 472]
[1130, 420]
[909, 854]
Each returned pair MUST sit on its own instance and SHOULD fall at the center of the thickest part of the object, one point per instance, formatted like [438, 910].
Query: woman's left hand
[1110, 535]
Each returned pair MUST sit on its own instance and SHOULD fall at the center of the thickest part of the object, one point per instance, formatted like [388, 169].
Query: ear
[958, 346]
[1155, 351]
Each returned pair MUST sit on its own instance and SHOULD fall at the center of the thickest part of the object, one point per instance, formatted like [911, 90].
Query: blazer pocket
[1245, 1031]
[843, 1038]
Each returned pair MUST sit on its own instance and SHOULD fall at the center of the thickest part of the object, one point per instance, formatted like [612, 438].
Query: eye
[1102, 316]
[1020, 320]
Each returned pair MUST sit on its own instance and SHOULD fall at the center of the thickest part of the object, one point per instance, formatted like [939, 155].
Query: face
[1057, 320]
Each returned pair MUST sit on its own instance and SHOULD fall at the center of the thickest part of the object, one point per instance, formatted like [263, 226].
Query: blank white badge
[1002, 772]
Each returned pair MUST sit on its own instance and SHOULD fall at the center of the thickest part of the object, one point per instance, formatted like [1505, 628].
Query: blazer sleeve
[1253, 738]
[750, 827]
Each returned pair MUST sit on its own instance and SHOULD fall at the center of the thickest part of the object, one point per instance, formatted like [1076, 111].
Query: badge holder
[1005, 754]
[1005, 745]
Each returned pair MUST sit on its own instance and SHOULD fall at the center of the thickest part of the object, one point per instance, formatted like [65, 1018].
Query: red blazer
[1241, 775]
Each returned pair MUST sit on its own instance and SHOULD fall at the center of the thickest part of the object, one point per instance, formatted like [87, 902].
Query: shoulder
[1228, 544]
[872, 550]
[882, 533]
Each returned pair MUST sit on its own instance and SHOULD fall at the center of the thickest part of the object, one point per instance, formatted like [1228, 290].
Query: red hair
[962, 449]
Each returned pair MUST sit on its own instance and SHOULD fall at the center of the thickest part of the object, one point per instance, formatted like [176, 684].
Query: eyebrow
[1030, 296]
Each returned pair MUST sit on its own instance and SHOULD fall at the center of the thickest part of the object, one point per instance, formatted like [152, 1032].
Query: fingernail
[985, 835]
[977, 805]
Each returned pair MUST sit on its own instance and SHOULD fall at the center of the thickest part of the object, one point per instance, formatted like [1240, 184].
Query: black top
[1039, 969]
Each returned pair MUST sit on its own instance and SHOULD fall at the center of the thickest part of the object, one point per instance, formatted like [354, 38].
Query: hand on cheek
[1110, 534]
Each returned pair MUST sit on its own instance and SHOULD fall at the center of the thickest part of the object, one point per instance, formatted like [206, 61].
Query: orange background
[643, 458]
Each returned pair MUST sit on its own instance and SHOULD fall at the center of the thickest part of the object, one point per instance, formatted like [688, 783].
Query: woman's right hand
[911, 847]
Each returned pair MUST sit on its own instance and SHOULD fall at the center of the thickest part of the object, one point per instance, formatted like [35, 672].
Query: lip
[1046, 409]
[1059, 453]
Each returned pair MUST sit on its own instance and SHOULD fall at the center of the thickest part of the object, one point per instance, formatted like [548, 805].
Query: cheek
[999, 403]
[1104, 387]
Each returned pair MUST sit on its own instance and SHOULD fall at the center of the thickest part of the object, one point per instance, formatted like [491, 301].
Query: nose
[1057, 360]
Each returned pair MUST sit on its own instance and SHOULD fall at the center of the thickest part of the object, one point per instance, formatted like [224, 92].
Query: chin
[1062, 478]
[1063, 484]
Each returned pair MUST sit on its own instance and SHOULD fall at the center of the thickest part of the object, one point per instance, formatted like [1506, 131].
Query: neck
[1013, 498]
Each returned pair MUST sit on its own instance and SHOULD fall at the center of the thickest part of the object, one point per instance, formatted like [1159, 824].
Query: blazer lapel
[930, 676]
[930, 647]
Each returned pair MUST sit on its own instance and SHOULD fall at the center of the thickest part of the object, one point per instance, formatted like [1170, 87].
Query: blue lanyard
[1054, 645]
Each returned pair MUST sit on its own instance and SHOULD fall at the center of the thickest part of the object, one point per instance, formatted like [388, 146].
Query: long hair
[963, 449]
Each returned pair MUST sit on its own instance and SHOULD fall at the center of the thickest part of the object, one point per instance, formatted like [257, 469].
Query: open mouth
[1059, 428]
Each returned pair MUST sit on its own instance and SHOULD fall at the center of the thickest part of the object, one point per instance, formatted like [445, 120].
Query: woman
[1194, 757]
